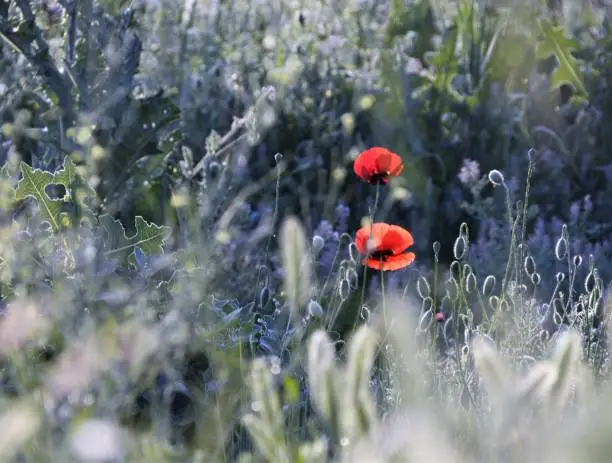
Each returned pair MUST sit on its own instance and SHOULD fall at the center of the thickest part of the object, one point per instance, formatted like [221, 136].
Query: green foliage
[555, 43]
[35, 182]
[149, 237]
[117, 344]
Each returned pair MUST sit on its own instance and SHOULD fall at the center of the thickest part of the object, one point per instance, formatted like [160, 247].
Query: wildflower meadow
[310, 231]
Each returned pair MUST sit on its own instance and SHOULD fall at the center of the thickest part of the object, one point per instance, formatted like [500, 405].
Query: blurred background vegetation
[193, 127]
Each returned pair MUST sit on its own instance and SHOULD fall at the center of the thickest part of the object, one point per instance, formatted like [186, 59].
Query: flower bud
[496, 177]
[317, 243]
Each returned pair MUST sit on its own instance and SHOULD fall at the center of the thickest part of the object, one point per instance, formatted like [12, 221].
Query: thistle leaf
[32, 185]
[556, 43]
[74, 183]
[149, 237]
[34, 182]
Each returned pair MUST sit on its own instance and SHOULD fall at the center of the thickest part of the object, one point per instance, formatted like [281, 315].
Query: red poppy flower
[377, 164]
[387, 244]
[440, 316]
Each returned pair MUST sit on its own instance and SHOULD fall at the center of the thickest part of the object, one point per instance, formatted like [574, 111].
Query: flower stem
[382, 290]
[365, 270]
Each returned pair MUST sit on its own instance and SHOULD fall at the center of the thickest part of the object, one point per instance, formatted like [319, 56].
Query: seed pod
[536, 279]
[560, 277]
[496, 177]
[315, 309]
[351, 276]
[577, 261]
[318, 242]
[529, 266]
[426, 305]
[455, 270]
[452, 289]
[459, 247]
[423, 288]
[561, 248]
[470, 283]
[589, 283]
[488, 285]
[425, 321]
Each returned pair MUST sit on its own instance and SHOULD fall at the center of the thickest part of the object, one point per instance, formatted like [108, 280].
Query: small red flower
[376, 165]
[387, 244]
[440, 316]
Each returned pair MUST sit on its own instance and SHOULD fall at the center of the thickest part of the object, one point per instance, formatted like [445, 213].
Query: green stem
[365, 270]
[382, 290]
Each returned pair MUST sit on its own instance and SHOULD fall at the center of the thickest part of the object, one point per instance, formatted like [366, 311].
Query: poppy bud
[496, 177]
[561, 248]
[278, 157]
[487, 286]
[351, 276]
[459, 248]
[436, 247]
[315, 309]
[529, 266]
[344, 289]
[317, 243]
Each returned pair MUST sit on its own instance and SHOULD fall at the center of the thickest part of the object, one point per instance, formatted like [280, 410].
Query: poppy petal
[365, 165]
[397, 169]
[378, 163]
[378, 231]
[396, 239]
[389, 162]
[392, 263]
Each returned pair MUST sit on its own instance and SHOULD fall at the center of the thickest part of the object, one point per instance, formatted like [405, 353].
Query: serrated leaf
[555, 42]
[70, 178]
[149, 237]
[32, 185]
[34, 182]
